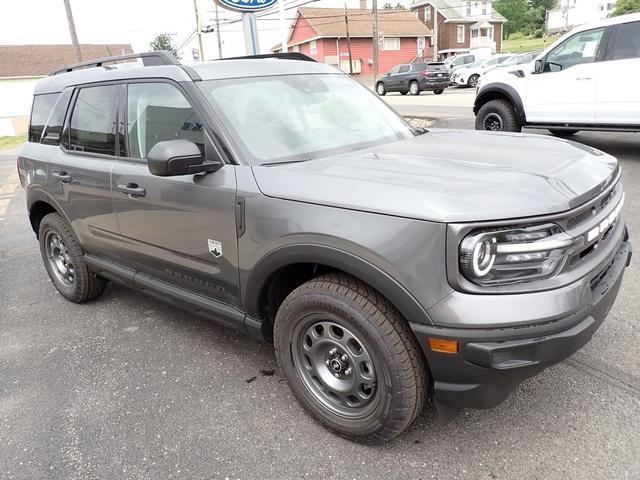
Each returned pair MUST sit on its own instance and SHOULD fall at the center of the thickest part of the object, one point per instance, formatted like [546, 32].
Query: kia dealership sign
[246, 5]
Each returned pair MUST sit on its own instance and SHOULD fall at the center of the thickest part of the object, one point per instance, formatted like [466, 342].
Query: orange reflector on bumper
[443, 346]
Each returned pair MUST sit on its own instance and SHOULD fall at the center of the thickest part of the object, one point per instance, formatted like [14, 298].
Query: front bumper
[490, 363]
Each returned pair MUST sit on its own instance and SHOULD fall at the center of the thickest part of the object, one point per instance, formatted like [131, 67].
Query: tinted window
[404, 68]
[158, 112]
[53, 130]
[394, 71]
[578, 49]
[42, 105]
[469, 59]
[93, 120]
[627, 43]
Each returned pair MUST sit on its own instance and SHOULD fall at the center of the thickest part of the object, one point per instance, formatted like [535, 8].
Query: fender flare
[35, 195]
[254, 286]
[501, 89]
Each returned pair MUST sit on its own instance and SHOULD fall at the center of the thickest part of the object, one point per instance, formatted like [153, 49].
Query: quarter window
[157, 112]
[578, 49]
[627, 43]
[42, 106]
[391, 43]
[93, 120]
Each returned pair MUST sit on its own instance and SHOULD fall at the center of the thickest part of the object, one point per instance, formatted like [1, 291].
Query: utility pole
[346, 22]
[435, 33]
[374, 7]
[198, 29]
[215, 5]
[72, 30]
[284, 34]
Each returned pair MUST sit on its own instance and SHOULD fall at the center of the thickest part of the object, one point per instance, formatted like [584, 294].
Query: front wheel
[380, 90]
[414, 88]
[350, 358]
[497, 116]
[562, 133]
[473, 81]
[438, 92]
[64, 260]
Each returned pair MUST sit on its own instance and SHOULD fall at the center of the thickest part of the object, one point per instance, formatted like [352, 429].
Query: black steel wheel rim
[493, 122]
[335, 367]
[59, 259]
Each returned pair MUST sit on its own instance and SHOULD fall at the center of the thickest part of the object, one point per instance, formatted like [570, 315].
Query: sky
[137, 22]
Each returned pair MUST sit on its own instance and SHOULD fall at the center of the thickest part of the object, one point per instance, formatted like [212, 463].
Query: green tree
[626, 6]
[515, 12]
[163, 41]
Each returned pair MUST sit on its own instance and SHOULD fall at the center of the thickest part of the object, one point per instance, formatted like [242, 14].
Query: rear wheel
[473, 81]
[438, 92]
[350, 358]
[380, 90]
[414, 88]
[562, 133]
[64, 260]
[497, 116]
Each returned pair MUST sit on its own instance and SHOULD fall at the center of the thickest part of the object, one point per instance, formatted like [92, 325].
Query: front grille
[594, 209]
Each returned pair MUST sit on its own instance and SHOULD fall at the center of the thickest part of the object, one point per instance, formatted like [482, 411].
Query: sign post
[249, 27]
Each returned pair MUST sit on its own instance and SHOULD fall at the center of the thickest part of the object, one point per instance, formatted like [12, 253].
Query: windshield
[299, 117]
[511, 61]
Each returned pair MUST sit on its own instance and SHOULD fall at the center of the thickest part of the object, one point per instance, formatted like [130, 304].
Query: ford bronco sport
[277, 196]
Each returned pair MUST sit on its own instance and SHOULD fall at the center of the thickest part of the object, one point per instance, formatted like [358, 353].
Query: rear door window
[42, 106]
[404, 69]
[627, 43]
[157, 112]
[93, 121]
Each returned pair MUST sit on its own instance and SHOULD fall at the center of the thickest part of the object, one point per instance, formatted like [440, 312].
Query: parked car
[414, 78]
[279, 197]
[458, 61]
[468, 75]
[574, 85]
[513, 60]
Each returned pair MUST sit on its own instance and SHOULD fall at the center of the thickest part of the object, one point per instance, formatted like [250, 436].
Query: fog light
[443, 346]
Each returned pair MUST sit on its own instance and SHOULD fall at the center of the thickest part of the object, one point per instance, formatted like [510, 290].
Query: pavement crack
[607, 373]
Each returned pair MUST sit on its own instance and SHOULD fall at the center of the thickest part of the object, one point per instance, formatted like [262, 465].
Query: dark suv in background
[414, 78]
[279, 197]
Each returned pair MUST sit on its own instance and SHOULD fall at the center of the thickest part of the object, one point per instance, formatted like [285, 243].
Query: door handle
[62, 176]
[132, 189]
[582, 78]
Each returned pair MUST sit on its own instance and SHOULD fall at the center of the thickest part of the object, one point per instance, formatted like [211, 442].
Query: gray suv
[278, 197]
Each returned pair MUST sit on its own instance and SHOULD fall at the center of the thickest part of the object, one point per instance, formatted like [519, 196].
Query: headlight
[514, 255]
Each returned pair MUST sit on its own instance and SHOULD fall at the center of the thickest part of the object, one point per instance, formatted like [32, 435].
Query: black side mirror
[178, 157]
[538, 66]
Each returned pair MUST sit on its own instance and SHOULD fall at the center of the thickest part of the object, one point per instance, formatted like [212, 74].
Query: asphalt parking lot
[127, 387]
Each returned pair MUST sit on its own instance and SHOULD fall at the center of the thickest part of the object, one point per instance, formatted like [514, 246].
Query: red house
[321, 33]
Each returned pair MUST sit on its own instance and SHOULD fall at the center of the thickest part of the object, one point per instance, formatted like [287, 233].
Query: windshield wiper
[420, 130]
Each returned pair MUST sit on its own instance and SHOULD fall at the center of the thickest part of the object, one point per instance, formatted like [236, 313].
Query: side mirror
[178, 157]
[537, 68]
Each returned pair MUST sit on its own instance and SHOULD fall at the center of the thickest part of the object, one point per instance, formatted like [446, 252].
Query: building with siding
[321, 33]
[462, 26]
[21, 66]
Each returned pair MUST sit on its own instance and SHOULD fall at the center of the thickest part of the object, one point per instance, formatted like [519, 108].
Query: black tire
[497, 115]
[381, 89]
[414, 88]
[403, 92]
[562, 133]
[359, 312]
[57, 241]
[438, 92]
[472, 81]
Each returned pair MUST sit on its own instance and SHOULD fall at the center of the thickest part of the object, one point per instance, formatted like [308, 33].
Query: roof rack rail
[160, 57]
[283, 56]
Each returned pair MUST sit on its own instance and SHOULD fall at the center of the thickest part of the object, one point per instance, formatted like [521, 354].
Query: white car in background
[468, 75]
[584, 81]
[519, 60]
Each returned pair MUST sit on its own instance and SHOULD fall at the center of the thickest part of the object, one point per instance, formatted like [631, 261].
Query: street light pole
[198, 29]
[218, 31]
[375, 39]
[72, 30]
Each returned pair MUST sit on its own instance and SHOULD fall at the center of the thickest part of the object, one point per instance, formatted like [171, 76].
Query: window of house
[427, 14]
[93, 121]
[157, 112]
[468, 9]
[295, 48]
[42, 105]
[313, 47]
[627, 44]
[484, 8]
[391, 43]
[460, 33]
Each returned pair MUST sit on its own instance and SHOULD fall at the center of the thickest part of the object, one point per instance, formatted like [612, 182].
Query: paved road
[127, 387]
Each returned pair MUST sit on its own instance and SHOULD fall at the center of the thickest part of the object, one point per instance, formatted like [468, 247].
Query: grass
[526, 44]
[10, 143]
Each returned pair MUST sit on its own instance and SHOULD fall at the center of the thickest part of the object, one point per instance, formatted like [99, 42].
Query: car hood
[449, 176]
